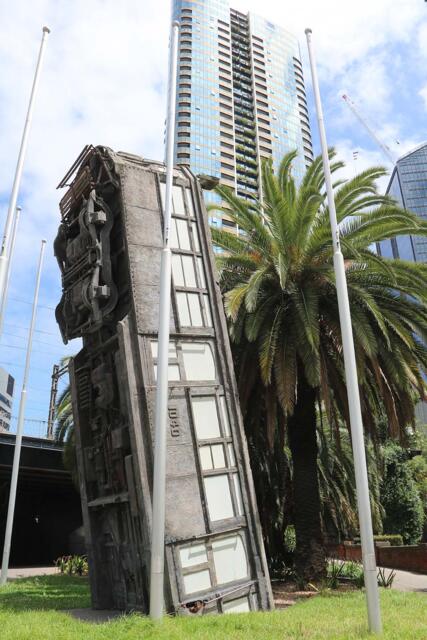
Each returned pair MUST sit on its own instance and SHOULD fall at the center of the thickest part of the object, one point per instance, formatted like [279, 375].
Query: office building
[240, 96]
[408, 185]
[7, 384]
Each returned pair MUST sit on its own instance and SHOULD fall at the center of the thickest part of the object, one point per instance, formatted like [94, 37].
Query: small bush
[352, 569]
[334, 573]
[395, 539]
[385, 580]
[290, 539]
[73, 565]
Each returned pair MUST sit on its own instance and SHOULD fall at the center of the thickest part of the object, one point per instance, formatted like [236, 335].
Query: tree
[338, 486]
[280, 299]
[418, 465]
[64, 431]
[400, 497]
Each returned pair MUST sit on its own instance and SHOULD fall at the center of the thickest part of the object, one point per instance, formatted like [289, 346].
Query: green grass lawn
[30, 610]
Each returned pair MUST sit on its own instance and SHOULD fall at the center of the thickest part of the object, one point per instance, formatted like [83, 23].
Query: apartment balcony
[244, 145]
[248, 161]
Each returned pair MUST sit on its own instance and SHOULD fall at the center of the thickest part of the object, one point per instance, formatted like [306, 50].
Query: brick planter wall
[407, 558]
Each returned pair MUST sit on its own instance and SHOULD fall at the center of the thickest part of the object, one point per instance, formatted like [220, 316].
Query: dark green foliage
[280, 299]
[400, 497]
[338, 485]
[418, 466]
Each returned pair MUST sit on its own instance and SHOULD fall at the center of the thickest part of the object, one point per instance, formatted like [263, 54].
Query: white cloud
[422, 40]
[343, 32]
[104, 83]
[423, 94]
[364, 159]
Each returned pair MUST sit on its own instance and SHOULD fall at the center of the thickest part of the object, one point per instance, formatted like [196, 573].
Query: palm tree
[280, 298]
[64, 430]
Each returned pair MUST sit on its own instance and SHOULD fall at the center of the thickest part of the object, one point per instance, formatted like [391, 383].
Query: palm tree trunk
[310, 558]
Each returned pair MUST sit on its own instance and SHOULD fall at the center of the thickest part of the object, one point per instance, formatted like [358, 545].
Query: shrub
[395, 539]
[290, 540]
[338, 570]
[400, 497]
[73, 565]
[385, 580]
[335, 572]
[352, 569]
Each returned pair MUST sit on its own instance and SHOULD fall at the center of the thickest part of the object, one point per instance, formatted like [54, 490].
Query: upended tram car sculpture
[108, 249]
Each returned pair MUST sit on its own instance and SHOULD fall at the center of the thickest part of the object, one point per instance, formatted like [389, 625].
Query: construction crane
[384, 148]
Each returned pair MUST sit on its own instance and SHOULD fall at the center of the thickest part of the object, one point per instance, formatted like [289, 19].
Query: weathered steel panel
[108, 249]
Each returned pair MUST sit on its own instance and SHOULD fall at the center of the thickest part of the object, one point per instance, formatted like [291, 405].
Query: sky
[104, 82]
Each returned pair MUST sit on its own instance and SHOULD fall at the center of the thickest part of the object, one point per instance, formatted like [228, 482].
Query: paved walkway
[408, 581]
[29, 572]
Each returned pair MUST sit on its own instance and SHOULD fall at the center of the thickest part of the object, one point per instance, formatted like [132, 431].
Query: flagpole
[4, 257]
[356, 425]
[20, 429]
[9, 266]
[159, 469]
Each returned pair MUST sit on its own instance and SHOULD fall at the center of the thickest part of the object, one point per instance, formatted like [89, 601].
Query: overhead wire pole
[9, 266]
[159, 469]
[356, 425]
[20, 428]
[4, 257]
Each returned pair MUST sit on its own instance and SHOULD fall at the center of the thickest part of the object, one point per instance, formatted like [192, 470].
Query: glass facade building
[240, 97]
[6, 397]
[408, 185]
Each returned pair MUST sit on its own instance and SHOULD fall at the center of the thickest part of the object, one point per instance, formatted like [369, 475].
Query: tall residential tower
[240, 96]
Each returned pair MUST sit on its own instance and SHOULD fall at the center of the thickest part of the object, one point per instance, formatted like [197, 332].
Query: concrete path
[408, 581]
[30, 572]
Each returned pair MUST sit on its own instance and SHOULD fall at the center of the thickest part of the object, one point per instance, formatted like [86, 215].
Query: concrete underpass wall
[47, 506]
